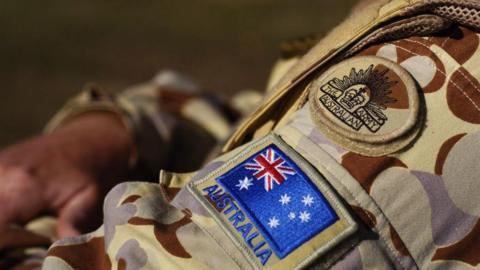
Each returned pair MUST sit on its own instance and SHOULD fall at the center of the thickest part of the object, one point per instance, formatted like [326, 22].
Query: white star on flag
[304, 216]
[273, 222]
[284, 199]
[244, 184]
[291, 215]
[307, 200]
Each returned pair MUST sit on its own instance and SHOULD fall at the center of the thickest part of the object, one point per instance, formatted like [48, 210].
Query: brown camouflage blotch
[398, 243]
[444, 150]
[372, 50]
[399, 91]
[467, 250]
[131, 199]
[366, 216]
[170, 192]
[173, 100]
[166, 234]
[14, 238]
[459, 42]
[122, 265]
[407, 49]
[89, 255]
[366, 169]
[187, 212]
[416, 46]
[463, 96]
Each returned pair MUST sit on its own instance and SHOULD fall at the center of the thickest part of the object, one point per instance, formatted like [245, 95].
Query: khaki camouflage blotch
[417, 205]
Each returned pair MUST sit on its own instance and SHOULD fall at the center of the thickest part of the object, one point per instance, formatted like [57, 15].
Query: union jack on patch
[271, 167]
[274, 203]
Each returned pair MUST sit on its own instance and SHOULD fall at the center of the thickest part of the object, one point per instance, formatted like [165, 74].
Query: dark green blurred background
[49, 49]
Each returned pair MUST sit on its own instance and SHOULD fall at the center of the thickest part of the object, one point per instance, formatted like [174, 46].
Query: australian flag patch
[276, 203]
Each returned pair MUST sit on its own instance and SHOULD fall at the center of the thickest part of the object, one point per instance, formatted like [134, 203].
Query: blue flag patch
[276, 208]
[281, 201]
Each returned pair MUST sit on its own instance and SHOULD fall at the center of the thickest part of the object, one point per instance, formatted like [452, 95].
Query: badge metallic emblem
[366, 99]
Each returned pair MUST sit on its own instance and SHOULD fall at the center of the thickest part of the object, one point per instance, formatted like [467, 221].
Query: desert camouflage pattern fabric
[162, 114]
[418, 208]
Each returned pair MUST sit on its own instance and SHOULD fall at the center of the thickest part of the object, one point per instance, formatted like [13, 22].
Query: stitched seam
[443, 43]
[164, 197]
[349, 144]
[368, 216]
[460, 70]
[468, 79]
[410, 123]
[394, 252]
[412, 25]
[355, 143]
[359, 146]
[234, 259]
[443, 73]
[379, 231]
[309, 171]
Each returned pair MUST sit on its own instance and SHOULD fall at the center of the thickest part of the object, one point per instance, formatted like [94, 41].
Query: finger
[81, 213]
[20, 197]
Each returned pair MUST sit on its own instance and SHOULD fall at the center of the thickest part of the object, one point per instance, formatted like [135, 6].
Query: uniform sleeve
[415, 208]
[141, 231]
[173, 123]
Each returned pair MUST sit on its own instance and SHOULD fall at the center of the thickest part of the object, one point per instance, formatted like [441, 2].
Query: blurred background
[49, 49]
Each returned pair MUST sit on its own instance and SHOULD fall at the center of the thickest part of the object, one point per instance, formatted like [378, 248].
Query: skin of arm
[65, 173]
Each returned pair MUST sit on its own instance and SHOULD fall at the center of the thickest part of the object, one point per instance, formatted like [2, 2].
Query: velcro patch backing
[274, 206]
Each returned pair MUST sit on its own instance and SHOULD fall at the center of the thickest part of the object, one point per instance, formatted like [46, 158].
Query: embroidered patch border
[296, 256]
[367, 104]
[357, 92]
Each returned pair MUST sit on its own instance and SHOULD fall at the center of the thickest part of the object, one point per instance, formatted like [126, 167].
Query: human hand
[65, 173]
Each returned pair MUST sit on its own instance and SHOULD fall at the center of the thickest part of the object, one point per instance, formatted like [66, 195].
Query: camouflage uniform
[402, 161]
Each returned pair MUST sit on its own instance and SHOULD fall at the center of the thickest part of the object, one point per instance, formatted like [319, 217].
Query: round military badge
[365, 102]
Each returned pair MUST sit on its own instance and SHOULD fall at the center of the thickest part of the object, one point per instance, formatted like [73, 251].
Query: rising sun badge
[359, 99]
